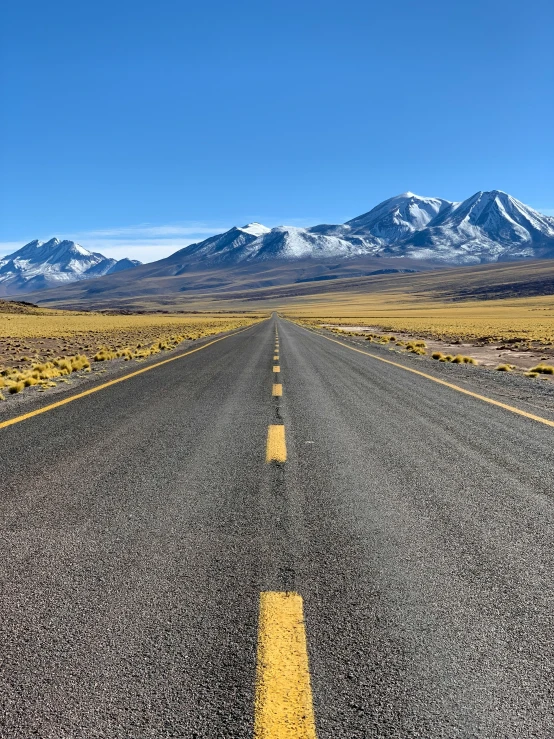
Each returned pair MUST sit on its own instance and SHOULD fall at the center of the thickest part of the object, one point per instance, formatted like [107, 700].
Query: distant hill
[39, 265]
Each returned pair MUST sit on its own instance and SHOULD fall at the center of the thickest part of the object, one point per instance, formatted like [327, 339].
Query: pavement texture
[139, 525]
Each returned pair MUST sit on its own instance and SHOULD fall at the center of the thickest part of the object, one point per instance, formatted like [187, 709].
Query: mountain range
[400, 233]
[39, 265]
[487, 227]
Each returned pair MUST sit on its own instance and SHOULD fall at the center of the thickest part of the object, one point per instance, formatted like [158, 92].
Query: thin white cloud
[7, 247]
[148, 231]
[145, 250]
[144, 241]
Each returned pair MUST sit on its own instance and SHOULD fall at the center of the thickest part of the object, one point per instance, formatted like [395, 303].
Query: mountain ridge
[45, 264]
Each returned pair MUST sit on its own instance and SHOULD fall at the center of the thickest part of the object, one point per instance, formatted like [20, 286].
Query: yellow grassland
[42, 347]
[530, 318]
[60, 324]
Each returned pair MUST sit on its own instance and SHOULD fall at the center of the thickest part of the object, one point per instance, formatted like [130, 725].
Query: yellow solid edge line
[484, 398]
[276, 368]
[277, 390]
[104, 385]
[283, 707]
[276, 448]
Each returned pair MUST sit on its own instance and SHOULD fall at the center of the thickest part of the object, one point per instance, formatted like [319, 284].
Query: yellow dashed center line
[276, 448]
[276, 358]
[283, 706]
[276, 368]
[277, 390]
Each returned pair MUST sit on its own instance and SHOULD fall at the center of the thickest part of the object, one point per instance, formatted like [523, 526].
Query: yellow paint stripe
[276, 448]
[277, 390]
[104, 385]
[283, 705]
[276, 368]
[276, 358]
[459, 389]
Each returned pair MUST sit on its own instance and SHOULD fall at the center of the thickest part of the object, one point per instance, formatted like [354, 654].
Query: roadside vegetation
[44, 347]
[514, 348]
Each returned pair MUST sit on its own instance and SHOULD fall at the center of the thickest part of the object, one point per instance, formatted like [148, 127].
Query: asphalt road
[139, 525]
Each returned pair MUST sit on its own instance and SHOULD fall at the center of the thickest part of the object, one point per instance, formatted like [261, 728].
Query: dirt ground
[524, 355]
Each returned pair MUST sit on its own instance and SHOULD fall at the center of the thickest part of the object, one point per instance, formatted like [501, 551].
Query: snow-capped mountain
[41, 264]
[487, 227]
[397, 218]
[255, 242]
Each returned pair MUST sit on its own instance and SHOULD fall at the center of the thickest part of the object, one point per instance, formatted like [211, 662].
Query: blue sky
[136, 127]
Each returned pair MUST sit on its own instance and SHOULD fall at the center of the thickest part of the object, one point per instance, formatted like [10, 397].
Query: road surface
[141, 524]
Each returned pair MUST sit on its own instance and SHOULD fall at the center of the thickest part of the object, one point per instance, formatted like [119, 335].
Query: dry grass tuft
[505, 368]
[416, 347]
[543, 369]
[462, 359]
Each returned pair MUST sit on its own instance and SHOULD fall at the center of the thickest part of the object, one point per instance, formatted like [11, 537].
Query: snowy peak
[255, 229]
[494, 209]
[123, 264]
[291, 243]
[46, 264]
[486, 227]
[397, 217]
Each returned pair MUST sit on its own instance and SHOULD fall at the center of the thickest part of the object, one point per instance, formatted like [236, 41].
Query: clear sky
[138, 126]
